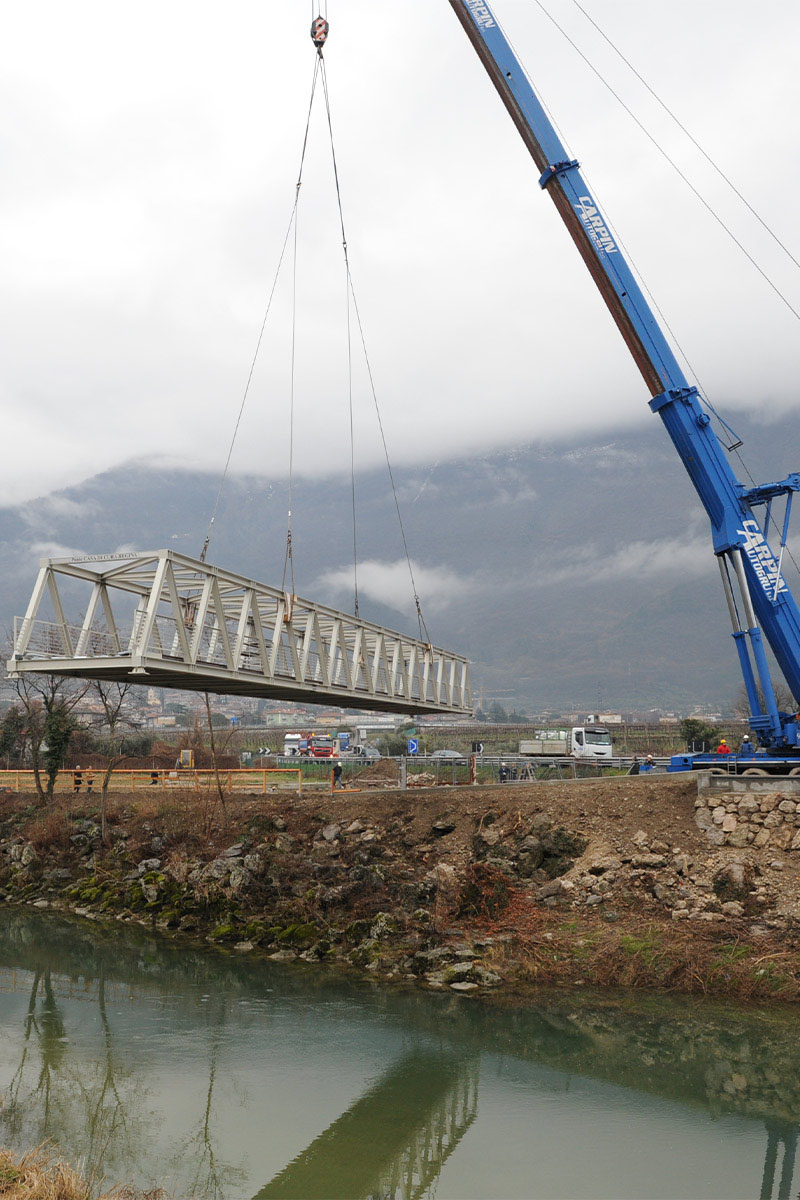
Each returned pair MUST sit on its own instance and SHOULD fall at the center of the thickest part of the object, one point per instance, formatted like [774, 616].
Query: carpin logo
[761, 559]
[595, 226]
[481, 13]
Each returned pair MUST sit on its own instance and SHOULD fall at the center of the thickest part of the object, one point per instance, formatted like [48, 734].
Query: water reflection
[780, 1136]
[393, 1141]
[211, 1075]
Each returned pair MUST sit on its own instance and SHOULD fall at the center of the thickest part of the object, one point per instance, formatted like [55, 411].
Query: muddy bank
[607, 882]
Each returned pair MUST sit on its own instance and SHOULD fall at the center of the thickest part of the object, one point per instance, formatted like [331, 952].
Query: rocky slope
[613, 882]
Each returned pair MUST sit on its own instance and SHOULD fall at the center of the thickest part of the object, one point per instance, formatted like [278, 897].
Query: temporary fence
[250, 780]
[416, 771]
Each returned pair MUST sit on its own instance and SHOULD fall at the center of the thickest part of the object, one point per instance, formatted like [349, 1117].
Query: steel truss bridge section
[163, 619]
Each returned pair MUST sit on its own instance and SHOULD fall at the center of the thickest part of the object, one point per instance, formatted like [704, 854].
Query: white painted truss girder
[167, 620]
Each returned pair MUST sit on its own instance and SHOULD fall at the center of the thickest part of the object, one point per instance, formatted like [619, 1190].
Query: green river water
[218, 1076]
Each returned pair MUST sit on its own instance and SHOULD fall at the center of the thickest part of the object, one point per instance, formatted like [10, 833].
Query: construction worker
[723, 749]
[648, 764]
[503, 773]
[747, 749]
[77, 780]
[337, 775]
[635, 766]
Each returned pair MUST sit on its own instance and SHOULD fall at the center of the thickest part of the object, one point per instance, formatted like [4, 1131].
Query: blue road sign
[413, 746]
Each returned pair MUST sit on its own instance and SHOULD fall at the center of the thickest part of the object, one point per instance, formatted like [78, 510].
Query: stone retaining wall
[742, 812]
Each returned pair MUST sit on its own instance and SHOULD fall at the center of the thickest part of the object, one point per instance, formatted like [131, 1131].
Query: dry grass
[51, 829]
[40, 1175]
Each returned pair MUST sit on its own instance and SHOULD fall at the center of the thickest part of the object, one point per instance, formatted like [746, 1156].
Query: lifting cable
[348, 289]
[689, 135]
[675, 166]
[736, 443]
[292, 223]
[351, 295]
[320, 27]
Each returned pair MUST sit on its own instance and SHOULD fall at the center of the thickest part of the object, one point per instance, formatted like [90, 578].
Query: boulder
[733, 881]
[149, 864]
[554, 888]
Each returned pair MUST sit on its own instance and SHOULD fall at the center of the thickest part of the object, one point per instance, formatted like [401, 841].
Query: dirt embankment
[608, 882]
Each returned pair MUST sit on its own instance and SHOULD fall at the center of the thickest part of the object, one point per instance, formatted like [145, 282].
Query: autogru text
[762, 559]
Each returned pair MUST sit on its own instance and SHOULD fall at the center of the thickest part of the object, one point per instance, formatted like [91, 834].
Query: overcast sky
[149, 157]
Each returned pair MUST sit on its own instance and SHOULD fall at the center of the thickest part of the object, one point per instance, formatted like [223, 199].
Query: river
[220, 1076]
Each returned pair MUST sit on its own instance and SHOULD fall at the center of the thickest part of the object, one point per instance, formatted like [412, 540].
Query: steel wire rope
[704, 395]
[292, 222]
[703, 391]
[632, 262]
[734, 189]
[688, 134]
[348, 285]
[423, 629]
[671, 162]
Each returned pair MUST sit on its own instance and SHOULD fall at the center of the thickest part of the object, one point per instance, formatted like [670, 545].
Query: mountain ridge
[578, 575]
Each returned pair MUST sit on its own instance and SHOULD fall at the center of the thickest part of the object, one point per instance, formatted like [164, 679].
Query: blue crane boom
[756, 592]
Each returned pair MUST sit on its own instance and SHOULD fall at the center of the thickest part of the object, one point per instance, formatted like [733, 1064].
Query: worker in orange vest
[723, 748]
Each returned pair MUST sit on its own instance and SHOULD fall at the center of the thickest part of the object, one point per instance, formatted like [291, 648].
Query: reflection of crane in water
[393, 1142]
[777, 1132]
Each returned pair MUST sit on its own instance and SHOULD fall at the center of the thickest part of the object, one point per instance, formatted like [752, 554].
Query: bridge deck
[166, 620]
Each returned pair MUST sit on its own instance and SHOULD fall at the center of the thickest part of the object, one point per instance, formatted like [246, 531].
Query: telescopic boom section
[747, 562]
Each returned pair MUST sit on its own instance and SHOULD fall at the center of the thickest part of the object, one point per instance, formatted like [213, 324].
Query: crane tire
[717, 771]
[755, 771]
[795, 771]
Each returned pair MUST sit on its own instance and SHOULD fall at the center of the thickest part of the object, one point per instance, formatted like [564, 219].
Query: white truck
[582, 741]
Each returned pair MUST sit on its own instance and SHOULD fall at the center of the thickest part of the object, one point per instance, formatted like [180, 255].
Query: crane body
[760, 603]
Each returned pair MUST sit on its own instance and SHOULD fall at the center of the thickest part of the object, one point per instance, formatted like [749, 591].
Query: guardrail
[86, 781]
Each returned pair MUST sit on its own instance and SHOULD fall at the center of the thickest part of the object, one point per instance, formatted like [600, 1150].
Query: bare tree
[214, 758]
[49, 702]
[116, 719]
[784, 698]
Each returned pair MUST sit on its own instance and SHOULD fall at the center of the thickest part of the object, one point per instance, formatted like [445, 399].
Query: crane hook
[319, 32]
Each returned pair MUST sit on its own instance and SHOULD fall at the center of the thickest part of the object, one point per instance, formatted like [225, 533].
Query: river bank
[474, 890]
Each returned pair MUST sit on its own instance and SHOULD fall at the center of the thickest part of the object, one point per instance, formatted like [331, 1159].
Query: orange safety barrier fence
[90, 780]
